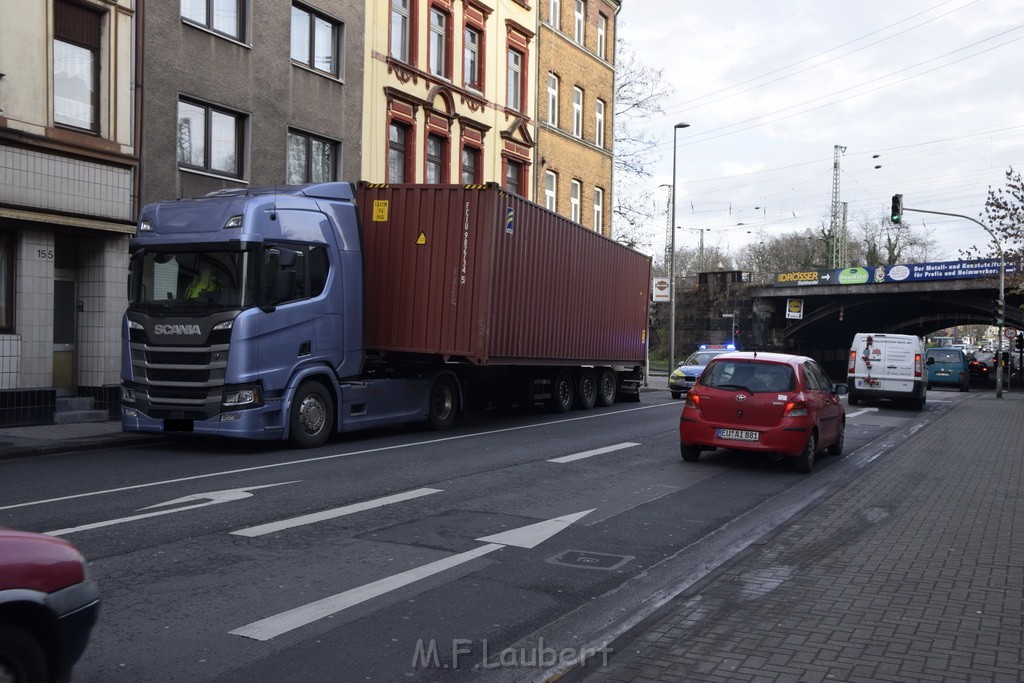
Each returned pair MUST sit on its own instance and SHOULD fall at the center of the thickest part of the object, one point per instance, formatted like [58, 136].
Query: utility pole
[838, 237]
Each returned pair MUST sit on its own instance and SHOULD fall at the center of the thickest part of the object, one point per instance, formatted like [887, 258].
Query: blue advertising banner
[911, 272]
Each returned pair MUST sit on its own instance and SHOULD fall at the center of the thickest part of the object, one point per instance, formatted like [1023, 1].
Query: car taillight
[692, 401]
[853, 362]
[795, 409]
[917, 365]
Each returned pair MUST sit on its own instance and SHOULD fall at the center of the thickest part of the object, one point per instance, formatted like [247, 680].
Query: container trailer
[299, 312]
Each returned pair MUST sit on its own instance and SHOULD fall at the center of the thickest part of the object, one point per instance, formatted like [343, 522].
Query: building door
[64, 308]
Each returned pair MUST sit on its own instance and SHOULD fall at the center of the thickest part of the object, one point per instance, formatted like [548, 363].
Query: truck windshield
[180, 282]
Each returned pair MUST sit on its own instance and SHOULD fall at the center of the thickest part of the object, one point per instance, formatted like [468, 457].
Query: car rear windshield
[945, 356]
[754, 376]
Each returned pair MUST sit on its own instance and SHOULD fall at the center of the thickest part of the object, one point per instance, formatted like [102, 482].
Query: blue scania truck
[300, 312]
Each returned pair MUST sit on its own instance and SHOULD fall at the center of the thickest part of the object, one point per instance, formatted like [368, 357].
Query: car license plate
[942, 374]
[738, 435]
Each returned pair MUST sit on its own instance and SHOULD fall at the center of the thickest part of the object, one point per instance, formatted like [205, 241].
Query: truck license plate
[738, 435]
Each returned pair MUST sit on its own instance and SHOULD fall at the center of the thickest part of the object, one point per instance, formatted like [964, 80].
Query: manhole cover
[588, 560]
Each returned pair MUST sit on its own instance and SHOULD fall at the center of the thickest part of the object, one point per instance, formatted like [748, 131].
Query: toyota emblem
[740, 398]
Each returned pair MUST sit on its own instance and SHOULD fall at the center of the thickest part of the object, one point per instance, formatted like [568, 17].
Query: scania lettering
[300, 312]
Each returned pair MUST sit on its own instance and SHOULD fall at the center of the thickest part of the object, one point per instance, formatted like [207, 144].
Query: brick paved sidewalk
[913, 572]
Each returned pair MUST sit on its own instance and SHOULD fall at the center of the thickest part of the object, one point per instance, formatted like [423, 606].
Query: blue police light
[731, 347]
[703, 347]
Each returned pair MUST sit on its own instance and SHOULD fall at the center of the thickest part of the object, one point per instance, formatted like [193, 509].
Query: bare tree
[886, 243]
[639, 93]
[1004, 213]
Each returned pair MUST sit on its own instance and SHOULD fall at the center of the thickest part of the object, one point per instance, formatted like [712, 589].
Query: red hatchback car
[772, 403]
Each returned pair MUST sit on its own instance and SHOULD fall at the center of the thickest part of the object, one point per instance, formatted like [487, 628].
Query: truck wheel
[312, 416]
[805, 463]
[562, 390]
[21, 656]
[443, 404]
[606, 388]
[586, 389]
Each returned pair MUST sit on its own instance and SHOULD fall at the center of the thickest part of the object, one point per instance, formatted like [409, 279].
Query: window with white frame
[310, 159]
[599, 123]
[438, 56]
[575, 191]
[551, 190]
[76, 65]
[598, 210]
[552, 99]
[316, 40]
[555, 14]
[515, 80]
[209, 138]
[602, 36]
[222, 16]
[580, 22]
[471, 59]
[577, 112]
[401, 30]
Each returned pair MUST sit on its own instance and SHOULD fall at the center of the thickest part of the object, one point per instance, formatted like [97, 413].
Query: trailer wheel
[606, 388]
[443, 403]
[312, 416]
[562, 392]
[586, 389]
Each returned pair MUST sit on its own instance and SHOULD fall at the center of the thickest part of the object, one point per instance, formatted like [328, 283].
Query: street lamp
[672, 260]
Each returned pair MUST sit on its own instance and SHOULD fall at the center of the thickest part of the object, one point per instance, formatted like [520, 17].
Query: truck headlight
[242, 397]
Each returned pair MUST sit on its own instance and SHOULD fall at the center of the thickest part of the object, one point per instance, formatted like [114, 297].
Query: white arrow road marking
[523, 537]
[862, 411]
[211, 498]
[314, 517]
[596, 451]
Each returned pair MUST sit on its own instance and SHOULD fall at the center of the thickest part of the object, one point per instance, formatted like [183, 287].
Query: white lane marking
[593, 416]
[528, 536]
[861, 412]
[315, 517]
[211, 498]
[596, 451]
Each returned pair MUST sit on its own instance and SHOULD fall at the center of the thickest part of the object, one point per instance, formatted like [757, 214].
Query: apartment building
[68, 199]
[576, 73]
[450, 92]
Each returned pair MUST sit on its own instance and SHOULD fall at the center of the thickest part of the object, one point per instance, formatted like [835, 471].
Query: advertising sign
[795, 309]
[911, 272]
[659, 290]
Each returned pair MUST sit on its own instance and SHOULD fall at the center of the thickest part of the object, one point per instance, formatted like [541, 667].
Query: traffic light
[997, 312]
[1019, 343]
[897, 209]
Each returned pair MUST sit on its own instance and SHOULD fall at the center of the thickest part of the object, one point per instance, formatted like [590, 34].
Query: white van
[889, 366]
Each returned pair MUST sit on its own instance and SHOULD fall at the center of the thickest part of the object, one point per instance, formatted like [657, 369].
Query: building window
[555, 14]
[581, 21]
[398, 153]
[401, 30]
[76, 65]
[316, 40]
[552, 99]
[515, 80]
[575, 192]
[471, 59]
[551, 190]
[310, 159]
[602, 36]
[599, 123]
[513, 176]
[209, 139]
[6, 281]
[436, 153]
[577, 112]
[470, 165]
[222, 16]
[598, 210]
[438, 57]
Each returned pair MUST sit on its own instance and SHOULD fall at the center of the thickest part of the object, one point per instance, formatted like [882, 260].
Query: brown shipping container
[477, 273]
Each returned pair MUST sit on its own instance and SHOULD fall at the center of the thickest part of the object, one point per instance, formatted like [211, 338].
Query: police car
[685, 376]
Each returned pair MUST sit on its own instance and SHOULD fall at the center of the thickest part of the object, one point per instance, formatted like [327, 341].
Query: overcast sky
[936, 89]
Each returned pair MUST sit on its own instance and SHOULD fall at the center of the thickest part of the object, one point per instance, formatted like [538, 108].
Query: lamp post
[672, 260]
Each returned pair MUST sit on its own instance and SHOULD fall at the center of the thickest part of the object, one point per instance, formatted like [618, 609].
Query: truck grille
[179, 382]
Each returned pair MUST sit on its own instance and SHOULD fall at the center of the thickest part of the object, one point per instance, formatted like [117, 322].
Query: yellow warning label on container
[380, 210]
[422, 239]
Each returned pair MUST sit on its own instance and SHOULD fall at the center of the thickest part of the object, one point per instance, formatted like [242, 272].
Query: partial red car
[48, 606]
[779, 404]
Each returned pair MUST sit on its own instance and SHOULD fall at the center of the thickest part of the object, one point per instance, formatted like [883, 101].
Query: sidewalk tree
[1004, 214]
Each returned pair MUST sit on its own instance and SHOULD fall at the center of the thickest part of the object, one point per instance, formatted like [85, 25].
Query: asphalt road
[497, 550]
